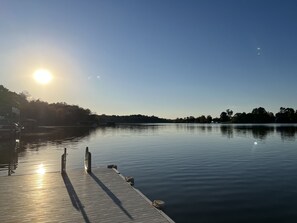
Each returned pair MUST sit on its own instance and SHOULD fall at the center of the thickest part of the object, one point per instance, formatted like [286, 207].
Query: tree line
[59, 114]
[257, 115]
[43, 113]
[130, 119]
[40, 112]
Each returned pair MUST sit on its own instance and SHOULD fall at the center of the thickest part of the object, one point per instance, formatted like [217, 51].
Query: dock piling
[88, 161]
[63, 161]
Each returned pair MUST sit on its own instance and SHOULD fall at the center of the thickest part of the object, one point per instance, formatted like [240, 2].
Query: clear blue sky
[156, 57]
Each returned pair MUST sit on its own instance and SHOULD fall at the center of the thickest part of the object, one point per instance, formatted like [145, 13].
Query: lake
[205, 173]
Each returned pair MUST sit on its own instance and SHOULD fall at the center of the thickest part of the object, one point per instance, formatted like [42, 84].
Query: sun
[42, 76]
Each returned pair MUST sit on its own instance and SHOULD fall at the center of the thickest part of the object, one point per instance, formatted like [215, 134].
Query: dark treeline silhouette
[192, 119]
[258, 115]
[40, 113]
[37, 112]
[102, 119]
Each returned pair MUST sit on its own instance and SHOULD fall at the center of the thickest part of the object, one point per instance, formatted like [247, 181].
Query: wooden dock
[75, 196]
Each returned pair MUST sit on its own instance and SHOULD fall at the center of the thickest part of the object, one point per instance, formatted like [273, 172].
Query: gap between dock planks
[76, 196]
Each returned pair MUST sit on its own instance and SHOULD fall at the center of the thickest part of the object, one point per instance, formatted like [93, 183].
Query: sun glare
[40, 169]
[42, 76]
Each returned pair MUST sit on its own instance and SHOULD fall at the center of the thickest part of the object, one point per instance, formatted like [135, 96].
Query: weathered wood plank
[101, 196]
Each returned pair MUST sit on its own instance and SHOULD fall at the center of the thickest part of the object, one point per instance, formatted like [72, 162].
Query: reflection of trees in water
[8, 156]
[227, 130]
[287, 133]
[194, 128]
[259, 132]
[71, 136]
[138, 128]
[54, 136]
[10, 150]
[129, 128]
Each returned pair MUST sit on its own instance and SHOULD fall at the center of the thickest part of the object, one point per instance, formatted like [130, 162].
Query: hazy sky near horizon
[156, 57]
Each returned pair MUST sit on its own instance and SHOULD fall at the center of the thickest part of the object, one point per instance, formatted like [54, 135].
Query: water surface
[205, 173]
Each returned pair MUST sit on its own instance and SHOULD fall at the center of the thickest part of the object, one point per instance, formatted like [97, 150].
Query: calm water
[205, 173]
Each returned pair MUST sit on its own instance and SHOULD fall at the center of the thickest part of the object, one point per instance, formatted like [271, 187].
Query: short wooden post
[88, 161]
[63, 162]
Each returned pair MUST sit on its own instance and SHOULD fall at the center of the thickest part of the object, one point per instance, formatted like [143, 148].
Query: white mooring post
[63, 161]
[88, 161]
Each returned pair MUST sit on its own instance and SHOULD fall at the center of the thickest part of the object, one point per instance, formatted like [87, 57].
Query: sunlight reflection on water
[40, 169]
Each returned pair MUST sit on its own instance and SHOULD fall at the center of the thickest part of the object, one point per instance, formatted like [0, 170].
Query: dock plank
[101, 196]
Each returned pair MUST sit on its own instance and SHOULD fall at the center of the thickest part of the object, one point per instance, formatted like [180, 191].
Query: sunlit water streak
[205, 173]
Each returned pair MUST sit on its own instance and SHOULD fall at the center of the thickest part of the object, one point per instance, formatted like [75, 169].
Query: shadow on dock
[110, 194]
[74, 198]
